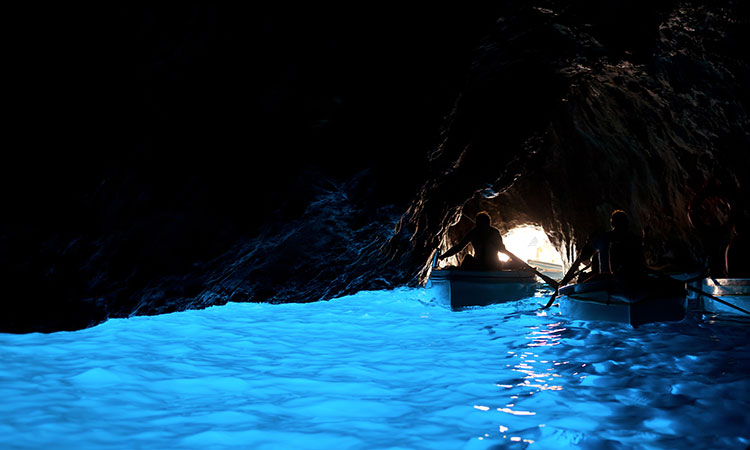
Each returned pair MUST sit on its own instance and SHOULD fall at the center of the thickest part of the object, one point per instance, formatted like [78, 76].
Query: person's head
[483, 219]
[619, 220]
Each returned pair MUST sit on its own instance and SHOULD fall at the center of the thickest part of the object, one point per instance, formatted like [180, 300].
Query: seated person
[617, 252]
[736, 261]
[486, 242]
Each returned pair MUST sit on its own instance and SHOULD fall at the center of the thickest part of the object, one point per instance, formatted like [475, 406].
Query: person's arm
[499, 243]
[458, 247]
[501, 248]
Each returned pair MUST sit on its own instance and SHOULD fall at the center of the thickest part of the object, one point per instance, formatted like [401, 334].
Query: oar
[716, 299]
[428, 283]
[552, 298]
[551, 282]
[699, 291]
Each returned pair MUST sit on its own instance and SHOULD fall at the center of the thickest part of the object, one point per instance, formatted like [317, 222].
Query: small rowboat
[735, 291]
[462, 288]
[650, 300]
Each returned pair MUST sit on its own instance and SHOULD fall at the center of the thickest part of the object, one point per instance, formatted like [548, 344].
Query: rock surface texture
[565, 119]
[200, 155]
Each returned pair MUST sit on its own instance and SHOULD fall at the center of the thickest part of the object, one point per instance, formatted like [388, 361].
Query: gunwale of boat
[489, 275]
[460, 289]
[735, 291]
[605, 300]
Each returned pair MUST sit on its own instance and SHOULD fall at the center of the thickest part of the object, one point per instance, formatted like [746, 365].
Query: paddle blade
[551, 300]
[551, 282]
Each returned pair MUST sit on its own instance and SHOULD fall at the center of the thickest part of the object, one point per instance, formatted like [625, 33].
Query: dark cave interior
[182, 156]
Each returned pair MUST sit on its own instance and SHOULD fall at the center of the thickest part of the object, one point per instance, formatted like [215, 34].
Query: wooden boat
[650, 300]
[462, 288]
[735, 291]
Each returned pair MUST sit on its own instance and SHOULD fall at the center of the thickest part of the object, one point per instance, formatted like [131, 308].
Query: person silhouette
[711, 214]
[619, 252]
[736, 262]
[486, 242]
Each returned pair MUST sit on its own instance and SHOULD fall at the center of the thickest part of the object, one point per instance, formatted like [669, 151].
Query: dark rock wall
[183, 156]
[564, 120]
[174, 156]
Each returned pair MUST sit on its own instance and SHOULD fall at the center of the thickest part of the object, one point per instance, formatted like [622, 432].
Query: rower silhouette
[486, 241]
[736, 262]
[617, 252]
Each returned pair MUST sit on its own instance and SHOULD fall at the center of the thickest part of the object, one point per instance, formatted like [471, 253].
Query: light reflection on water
[378, 370]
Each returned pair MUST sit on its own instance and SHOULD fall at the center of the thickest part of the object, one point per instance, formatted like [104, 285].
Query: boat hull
[651, 301]
[735, 291]
[459, 289]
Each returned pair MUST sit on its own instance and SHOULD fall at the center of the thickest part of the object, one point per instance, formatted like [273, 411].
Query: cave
[218, 222]
[185, 168]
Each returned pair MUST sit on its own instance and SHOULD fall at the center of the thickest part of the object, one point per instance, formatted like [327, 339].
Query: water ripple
[378, 370]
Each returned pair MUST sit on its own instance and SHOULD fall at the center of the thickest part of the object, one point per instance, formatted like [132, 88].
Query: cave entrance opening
[531, 244]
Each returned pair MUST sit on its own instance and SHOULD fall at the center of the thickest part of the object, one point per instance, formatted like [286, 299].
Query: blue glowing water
[386, 370]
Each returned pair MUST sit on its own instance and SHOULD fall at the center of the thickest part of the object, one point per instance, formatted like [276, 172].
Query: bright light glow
[529, 242]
